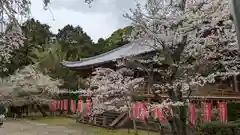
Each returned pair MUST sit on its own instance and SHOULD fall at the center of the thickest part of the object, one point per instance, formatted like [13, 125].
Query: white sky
[104, 16]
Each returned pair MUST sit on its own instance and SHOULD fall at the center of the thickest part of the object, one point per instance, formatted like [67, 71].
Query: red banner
[138, 109]
[192, 114]
[80, 106]
[53, 105]
[207, 112]
[88, 106]
[73, 106]
[161, 115]
[58, 104]
[65, 105]
[223, 111]
[143, 111]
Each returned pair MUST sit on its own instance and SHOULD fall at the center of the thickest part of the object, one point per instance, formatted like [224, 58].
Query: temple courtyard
[24, 127]
[58, 126]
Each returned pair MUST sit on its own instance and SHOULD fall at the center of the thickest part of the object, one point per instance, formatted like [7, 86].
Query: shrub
[233, 111]
[219, 128]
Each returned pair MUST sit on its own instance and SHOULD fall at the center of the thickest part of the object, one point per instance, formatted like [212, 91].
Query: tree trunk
[235, 83]
[178, 124]
[235, 12]
[173, 128]
[183, 126]
[44, 114]
[135, 127]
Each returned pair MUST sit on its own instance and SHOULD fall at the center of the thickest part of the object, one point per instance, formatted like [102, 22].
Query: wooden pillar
[150, 81]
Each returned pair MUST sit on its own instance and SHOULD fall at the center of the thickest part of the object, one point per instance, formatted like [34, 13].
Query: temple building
[141, 49]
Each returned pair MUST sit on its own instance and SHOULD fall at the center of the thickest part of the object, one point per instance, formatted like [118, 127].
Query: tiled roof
[134, 48]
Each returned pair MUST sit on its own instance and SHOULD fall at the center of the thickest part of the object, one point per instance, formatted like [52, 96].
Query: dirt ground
[25, 127]
[58, 126]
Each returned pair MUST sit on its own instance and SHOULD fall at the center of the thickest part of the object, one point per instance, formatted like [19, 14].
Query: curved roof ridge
[131, 49]
[111, 51]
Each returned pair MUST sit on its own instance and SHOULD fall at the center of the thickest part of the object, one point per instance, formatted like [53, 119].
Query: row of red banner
[139, 111]
[74, 106]
[208, 108]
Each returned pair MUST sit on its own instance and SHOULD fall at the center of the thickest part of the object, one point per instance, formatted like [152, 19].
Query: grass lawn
[70, 123]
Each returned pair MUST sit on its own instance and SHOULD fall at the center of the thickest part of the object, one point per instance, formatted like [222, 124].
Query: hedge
[219, 128]
[233, 109]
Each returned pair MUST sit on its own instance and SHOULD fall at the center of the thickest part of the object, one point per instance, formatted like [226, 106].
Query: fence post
[104, 121]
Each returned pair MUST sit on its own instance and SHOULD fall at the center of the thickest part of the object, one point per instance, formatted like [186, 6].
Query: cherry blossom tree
[12, 8]
[187, 40]
[10, 41]
[195, 45]
[28, 86]
[30, 81]
[112, 90]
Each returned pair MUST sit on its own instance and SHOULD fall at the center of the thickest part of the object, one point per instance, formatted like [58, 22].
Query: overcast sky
[104, 16]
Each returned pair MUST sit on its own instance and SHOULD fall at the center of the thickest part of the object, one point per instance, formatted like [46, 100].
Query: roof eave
[88, 66]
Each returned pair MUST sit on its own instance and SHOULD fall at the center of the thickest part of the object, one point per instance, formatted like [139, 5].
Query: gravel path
[33, 128]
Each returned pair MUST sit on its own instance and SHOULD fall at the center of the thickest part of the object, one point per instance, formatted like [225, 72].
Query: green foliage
[233, 109]
[137, 98]
[49, 59]
[75, 42]
[219, 128]
[36, 32]
[72, 35]
[117, 39]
